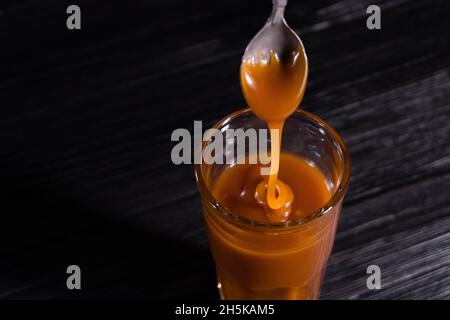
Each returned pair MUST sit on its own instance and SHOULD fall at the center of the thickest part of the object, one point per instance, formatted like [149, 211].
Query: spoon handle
[280, 3]
[277, 15]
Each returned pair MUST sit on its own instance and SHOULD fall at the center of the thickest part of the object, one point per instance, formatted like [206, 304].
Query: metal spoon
[275, 36]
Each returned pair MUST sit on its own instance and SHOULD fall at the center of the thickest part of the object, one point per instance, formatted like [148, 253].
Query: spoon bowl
[276, 37]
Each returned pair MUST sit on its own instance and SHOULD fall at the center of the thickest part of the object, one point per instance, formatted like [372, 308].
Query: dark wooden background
[86, 118]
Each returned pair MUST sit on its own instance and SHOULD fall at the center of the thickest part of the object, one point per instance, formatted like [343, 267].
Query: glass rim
[336, 197]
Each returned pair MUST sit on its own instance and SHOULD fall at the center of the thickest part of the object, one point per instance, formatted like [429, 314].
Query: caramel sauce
[273, 89]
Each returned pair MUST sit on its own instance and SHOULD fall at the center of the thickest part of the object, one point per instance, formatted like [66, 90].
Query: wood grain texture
[86, 118]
